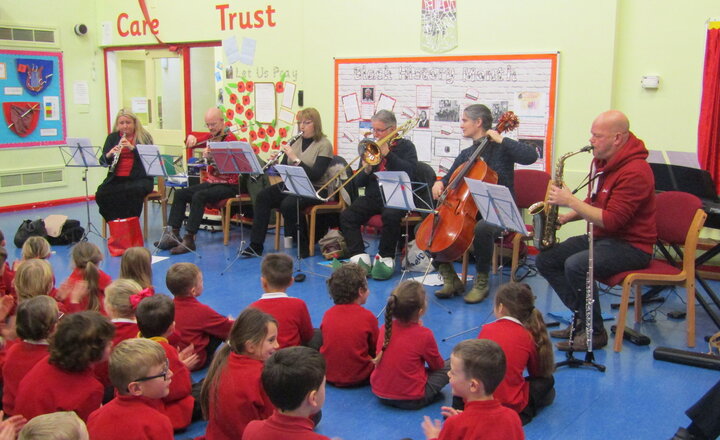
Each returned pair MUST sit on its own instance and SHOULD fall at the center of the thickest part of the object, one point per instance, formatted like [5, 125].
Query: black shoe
[599, 340]
[254, 250]
[683, 434]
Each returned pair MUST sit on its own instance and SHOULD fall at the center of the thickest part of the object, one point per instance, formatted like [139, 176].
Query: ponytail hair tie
[137, 297]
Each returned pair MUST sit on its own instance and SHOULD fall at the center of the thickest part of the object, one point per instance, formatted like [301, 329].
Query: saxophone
[545, 215]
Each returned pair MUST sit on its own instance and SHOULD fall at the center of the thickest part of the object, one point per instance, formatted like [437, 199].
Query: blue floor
[636, 398]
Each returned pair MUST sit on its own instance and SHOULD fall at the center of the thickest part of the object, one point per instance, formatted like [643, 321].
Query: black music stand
[79, 152]
[155, 165]
[235, 158]
[497, 207]
[297, 183]
[398, 193]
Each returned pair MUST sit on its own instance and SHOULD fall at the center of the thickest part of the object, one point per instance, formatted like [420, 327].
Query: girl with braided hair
[521, 333]
[409, 371]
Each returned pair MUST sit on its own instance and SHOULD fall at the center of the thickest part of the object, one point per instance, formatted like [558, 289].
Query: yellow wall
[605, 48]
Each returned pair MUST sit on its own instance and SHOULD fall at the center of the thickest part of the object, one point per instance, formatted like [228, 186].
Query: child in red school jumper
[36, 320]
[64, 381]
[477, 366]
[294, 379]
[86, 284]
[139, 372]
[401, 378]
[156, 321]
[65, 425]
[294, 324]
[35, 247]
[521, 333]
[349, 331]
[232, 394]
[32, 278]
[136, 265]
[6, 275]
[121, 297]
[196, 324]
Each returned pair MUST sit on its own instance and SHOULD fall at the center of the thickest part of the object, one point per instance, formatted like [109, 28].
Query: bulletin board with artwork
[437, 89]
[33, 104]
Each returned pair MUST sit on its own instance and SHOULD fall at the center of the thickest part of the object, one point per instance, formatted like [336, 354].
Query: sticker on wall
[21, 117]
[34, 74]
[51, 108]
[3, 71]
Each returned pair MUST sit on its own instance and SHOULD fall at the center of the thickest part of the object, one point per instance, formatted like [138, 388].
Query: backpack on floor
[27, 229]
[71, 232]
[333, 245]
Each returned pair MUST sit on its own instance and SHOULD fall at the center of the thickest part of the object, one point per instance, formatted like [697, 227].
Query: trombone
[370, 153]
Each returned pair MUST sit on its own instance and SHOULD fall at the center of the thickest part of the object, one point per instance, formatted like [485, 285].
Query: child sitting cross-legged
[477, 366]
[294, 325]
[156, 321]
[405, 346]
[197, 325]
[232, 395]
[139, 372]
[64, 381]
[36, 320]
[294, 379]
[349, 331]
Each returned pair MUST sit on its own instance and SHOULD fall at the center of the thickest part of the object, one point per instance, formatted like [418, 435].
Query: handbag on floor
[124, 233]
[27, 229]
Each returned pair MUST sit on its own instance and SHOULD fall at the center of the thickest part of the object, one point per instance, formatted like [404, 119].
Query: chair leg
[311, 233]
[465, 261]
[496, 253]
[515, 256]
[638, 304]
[104, 228]
[278, 216]
[225, 220]
[163, 206]
[690, 289]
[145, 218]
[622, 316]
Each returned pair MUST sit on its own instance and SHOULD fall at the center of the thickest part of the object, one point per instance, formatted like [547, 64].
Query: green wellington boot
[452, 284]
[480, 290]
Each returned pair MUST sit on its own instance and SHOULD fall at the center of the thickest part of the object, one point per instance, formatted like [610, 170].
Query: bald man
[215, 188]
[621, 205]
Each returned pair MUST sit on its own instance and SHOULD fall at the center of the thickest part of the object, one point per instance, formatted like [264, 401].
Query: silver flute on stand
[116, 158]
[571, 360]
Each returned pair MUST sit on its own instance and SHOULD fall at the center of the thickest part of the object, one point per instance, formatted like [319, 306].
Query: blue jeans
[565, 267]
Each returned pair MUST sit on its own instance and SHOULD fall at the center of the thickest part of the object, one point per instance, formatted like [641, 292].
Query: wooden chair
[679, 220]
[225, 208]
[156, 195]
[310, 213]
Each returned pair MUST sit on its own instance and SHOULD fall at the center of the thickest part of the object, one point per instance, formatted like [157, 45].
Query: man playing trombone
[215, 188]
[398, 154]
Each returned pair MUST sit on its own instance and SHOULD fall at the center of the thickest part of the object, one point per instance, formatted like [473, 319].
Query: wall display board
[437, 89]
[33, 106]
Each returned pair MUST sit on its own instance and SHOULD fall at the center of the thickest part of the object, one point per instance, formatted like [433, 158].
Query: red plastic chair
[679, 220]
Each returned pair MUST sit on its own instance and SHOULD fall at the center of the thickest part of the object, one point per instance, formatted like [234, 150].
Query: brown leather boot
[169, 240]
[187, 245]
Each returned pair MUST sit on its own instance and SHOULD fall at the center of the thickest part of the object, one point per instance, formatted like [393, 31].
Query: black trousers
[271, 198]
[122, 197]
[705, 414]
[197, 196]
[357, 214]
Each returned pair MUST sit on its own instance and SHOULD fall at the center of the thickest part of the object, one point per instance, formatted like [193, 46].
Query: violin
[449, 232]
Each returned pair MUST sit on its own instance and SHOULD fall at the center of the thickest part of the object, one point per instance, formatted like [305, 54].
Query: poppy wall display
[33, 104]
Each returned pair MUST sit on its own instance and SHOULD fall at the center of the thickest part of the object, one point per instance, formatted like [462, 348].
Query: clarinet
[116, 158]
[589, 297]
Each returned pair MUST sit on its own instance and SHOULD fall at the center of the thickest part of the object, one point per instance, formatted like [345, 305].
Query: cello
[449, 232]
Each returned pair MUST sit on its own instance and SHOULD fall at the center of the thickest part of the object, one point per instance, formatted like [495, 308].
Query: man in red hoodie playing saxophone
[621, 206]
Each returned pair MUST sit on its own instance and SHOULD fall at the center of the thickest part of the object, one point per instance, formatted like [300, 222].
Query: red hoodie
[625, 191]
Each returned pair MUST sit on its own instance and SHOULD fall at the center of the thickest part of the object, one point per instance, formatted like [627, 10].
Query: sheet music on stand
[79, 152]
[297, 182]
[397, 190]
[152, 160]
[496, 205]
[234, 158]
